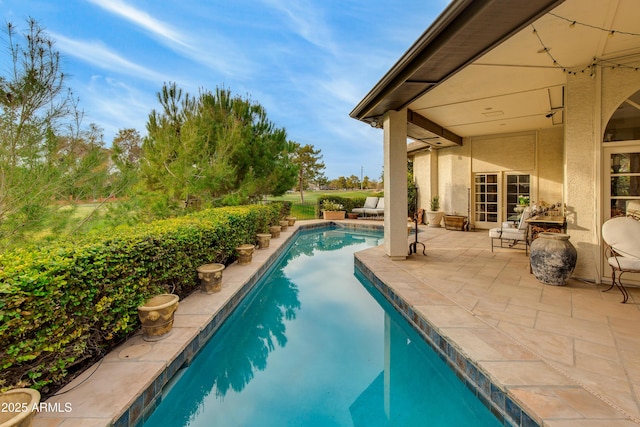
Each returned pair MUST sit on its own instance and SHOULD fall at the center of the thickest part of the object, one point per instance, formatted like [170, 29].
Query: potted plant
[264, 239]
[332, 210]
[275, 231]
[156, 316]
[523, 202]
[434, 216]
[210, 276]
[245, 253]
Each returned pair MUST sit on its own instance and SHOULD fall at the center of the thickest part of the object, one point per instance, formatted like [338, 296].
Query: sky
[307, 62]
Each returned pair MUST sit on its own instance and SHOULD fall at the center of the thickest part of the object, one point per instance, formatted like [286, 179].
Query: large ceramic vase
[245, 253]
[18, 407]
[275, 231]
[291, 220]
[284, 224]
[156, 316]
[553, 258]
[210, 276]
[264, 239]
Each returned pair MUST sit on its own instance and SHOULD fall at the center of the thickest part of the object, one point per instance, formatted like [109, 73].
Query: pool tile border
[505, 409]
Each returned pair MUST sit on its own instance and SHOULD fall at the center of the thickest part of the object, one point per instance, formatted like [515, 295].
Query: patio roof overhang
[500, 66]
[462, 33]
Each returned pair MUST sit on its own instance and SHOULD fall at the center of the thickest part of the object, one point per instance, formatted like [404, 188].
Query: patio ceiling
[481, 69]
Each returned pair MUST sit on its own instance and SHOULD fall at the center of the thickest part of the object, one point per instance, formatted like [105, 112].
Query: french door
[496, 195]
[486, 200]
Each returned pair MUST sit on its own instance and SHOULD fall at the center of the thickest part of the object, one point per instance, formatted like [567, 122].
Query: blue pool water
[315, 345]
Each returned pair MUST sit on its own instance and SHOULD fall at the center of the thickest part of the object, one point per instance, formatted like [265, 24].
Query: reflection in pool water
[316, 345]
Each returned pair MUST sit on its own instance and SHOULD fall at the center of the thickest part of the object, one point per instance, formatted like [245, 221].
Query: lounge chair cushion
[379, 209]
[509, 233]
[369, 203]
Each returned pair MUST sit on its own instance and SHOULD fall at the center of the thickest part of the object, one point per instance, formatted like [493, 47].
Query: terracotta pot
[17, 407]
[210, 276]
[275, 231]
[283, 225]
[291, 220]
[156, 316]
[333, 215]
[245, 253]
[552, 258]
[263, 240]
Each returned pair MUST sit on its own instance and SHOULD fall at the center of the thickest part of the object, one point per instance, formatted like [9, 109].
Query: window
[624, 125]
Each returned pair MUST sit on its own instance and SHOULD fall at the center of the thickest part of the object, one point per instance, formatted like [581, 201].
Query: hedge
[68, 303]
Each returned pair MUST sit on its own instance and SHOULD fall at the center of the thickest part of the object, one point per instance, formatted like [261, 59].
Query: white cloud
[308, 21]
[143, 20]
[96, 53]
[207, 48]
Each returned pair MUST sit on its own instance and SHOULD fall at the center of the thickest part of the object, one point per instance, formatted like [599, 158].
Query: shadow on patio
[568, 355]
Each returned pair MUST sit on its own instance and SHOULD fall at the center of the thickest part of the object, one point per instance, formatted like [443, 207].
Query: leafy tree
[44, 154]
[216, 147]
[353, 182]
[310, 168]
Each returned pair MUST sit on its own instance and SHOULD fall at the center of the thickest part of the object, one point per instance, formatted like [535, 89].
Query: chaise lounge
[377, 210]
[369, 203]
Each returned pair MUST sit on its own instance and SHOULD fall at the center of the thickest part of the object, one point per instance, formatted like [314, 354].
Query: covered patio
[568, 355]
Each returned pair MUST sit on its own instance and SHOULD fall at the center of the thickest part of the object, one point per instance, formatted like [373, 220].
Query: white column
[395, 184]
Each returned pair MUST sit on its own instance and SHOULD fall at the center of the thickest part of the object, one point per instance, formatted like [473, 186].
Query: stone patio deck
[570, 356]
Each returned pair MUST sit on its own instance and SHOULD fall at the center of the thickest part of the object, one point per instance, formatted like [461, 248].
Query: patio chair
[378, 210]
[512, 235]
[369, 203]
[621, 236]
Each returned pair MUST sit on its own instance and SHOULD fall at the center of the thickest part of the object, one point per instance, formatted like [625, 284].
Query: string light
[573, 23]
[595, 62]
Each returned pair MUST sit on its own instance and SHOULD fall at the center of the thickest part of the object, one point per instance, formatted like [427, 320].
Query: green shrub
[65, 303]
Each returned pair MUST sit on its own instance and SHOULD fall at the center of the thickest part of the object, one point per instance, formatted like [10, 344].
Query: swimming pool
[315, 345]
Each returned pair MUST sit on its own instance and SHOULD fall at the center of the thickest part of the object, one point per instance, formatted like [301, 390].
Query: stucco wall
[454, 166]
[550, 163]
[498, 153]
[422, 175]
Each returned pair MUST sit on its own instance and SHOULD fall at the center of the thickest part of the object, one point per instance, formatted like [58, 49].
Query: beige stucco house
[500, 98]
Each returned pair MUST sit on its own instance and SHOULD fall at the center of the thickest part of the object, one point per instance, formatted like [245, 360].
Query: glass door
[486, 200]
[516, 186]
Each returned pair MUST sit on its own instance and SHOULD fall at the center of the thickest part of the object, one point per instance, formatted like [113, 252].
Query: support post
[395, 184]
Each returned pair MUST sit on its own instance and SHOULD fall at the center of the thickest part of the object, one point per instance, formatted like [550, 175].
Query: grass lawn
[312, 196]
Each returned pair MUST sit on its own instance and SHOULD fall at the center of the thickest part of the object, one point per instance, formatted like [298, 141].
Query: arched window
[625, 122]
